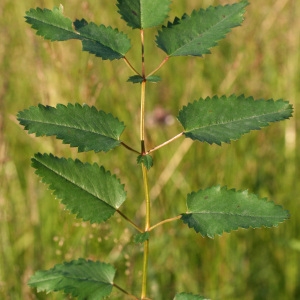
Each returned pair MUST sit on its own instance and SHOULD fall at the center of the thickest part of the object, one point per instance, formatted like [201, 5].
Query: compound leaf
[80, 126]
[80, 278]
[196, 34]
[102, 41]
[89, 191]
[51, 24]
[187, 296]
[217, 120]
[217, 210]
[143, 14]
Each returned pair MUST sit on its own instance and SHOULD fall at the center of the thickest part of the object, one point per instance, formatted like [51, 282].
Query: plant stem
[142, 128]
[165, 143]
[145, 174]
[145, 270]
[131, 222]
[164, 221]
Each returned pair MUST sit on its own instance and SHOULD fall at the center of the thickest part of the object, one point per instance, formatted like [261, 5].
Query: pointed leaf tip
[104, 42]
[51, 24]
[195, 34]
[217, 209]
[88, 191]
[80, 278]
[223, 119]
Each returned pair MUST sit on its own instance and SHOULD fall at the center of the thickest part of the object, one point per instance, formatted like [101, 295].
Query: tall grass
[261, 58]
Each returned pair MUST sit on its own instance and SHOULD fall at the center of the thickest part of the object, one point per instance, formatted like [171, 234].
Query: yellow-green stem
[147, 197]
[145, 175]
[147, 226]
[165, 221]
[145, 269]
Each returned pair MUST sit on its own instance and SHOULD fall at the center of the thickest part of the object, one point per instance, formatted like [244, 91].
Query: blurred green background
[261, 59]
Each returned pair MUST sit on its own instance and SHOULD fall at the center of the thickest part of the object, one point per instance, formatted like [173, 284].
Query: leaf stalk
[130, 66]
[129, 148]
[165, 143]
[131, 222]
[125, 292]
[164, 222]
[160, 65]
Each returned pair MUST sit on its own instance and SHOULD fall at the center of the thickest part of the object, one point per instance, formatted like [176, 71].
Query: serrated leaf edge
[250, 98]
[177, 21]
[60, 125]
[66, 264]
[51, 187]
[238, 228]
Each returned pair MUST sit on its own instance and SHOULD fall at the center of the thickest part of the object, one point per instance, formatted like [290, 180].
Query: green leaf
[217, 120]
[143, 14]
[217, 210]
[104, 42]
[80, 278]
[196, 34]
[140, 79]
[146, 160]
[186, 296]
[135, 79]
[51, 24]
[141, 237]
[89, 191]
[153, 78]
[80, 126]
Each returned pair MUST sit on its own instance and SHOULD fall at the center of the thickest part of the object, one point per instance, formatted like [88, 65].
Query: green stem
[145, 175]
[147, 197]
[147, 226]
[145, 270]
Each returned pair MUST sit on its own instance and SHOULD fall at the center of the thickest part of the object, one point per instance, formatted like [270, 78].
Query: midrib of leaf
[73, 127]
[80, 35]
[88, 279]
[74, 183]
[206, 32]
[91, 38]
[56, 26]
[237, 121]
[232, 214]
[75, 278]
